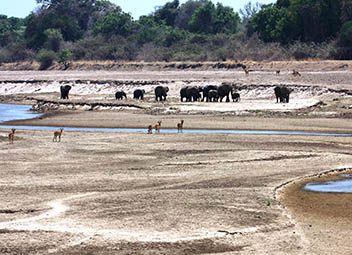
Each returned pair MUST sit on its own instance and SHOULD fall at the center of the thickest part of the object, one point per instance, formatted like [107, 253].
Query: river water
[17, 112]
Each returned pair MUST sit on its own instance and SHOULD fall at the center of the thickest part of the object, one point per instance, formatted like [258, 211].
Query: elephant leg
[227, 98]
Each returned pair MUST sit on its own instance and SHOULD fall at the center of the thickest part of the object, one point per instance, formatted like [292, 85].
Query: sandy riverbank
[108, 193]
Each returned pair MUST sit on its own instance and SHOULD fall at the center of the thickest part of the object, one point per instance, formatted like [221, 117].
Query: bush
[65, 58]
[45, 58]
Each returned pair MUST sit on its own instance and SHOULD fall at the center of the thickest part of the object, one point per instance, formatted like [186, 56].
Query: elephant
[213, 96]
[193, 93]
[139, 94]
[64, 91]
[183, 93]
[235, 96]
[161, 93]
[120, 95]
[224, 90]
[282, 93]
[206, 90]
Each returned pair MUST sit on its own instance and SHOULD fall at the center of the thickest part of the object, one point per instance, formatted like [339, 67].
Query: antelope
[150, 129]
[246, 71]
[157, 127]
[57, 134]
[180, 127]
[295, 73]
[12, 135]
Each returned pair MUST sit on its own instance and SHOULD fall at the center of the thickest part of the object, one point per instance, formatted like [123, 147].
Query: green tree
[345, 37]
[115, 22]
[11, 30]
[346, 10]
[185, 12]
[54, 39]
[272, 24]
[226, 20]
[203, 19]
[167, 13]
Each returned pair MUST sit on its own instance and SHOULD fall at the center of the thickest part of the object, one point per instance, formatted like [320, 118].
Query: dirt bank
[324, 217]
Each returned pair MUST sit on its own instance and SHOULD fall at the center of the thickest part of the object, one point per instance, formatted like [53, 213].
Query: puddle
[17, 112]
[338, 186]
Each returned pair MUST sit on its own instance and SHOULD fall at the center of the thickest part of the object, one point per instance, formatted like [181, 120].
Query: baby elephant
[120, 95]
[235, 97]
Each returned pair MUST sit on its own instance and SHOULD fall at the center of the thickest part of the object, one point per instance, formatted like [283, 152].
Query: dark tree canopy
[190, 30]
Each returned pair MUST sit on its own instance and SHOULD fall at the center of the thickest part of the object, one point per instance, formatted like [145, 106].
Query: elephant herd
[209, 93]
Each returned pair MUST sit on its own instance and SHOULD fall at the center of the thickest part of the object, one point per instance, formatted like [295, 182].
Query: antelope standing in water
[12, 135]
[157, 127]
[180, 127]
[150, 129]
[57, 134]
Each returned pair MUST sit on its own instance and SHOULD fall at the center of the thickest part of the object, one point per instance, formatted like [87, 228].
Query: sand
[127, 193]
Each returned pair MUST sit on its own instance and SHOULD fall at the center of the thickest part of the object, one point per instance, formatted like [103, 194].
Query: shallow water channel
[17, 112]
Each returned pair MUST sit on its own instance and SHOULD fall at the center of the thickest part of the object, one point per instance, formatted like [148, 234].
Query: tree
[226, 20]
[346, 10]
[167, 13]
[185, 12]
[272, 24]
[11, 30]
[203, 19]
[53, 39]
[304, 20]
[115, 22]
[72, 17]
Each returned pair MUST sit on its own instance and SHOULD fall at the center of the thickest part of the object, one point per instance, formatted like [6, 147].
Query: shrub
[45, 58]
[65, 58]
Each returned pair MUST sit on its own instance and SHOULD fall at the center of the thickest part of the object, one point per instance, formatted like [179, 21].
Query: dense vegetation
[197, 30]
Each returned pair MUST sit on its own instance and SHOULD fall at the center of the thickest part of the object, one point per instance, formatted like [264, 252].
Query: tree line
[196, 30]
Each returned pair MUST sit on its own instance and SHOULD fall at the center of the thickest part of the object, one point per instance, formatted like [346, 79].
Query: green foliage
[193, 30]
[203, 19]
[185, 12]
[226, 20]
[54, 39]
[272, 24]
[346, 34]
[11, 30]
[115, 22]
[167, 13]
[65, 58]
[305, 20]
[46, 58]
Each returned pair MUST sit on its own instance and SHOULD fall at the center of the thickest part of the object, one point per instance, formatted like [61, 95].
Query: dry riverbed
[134, 193]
